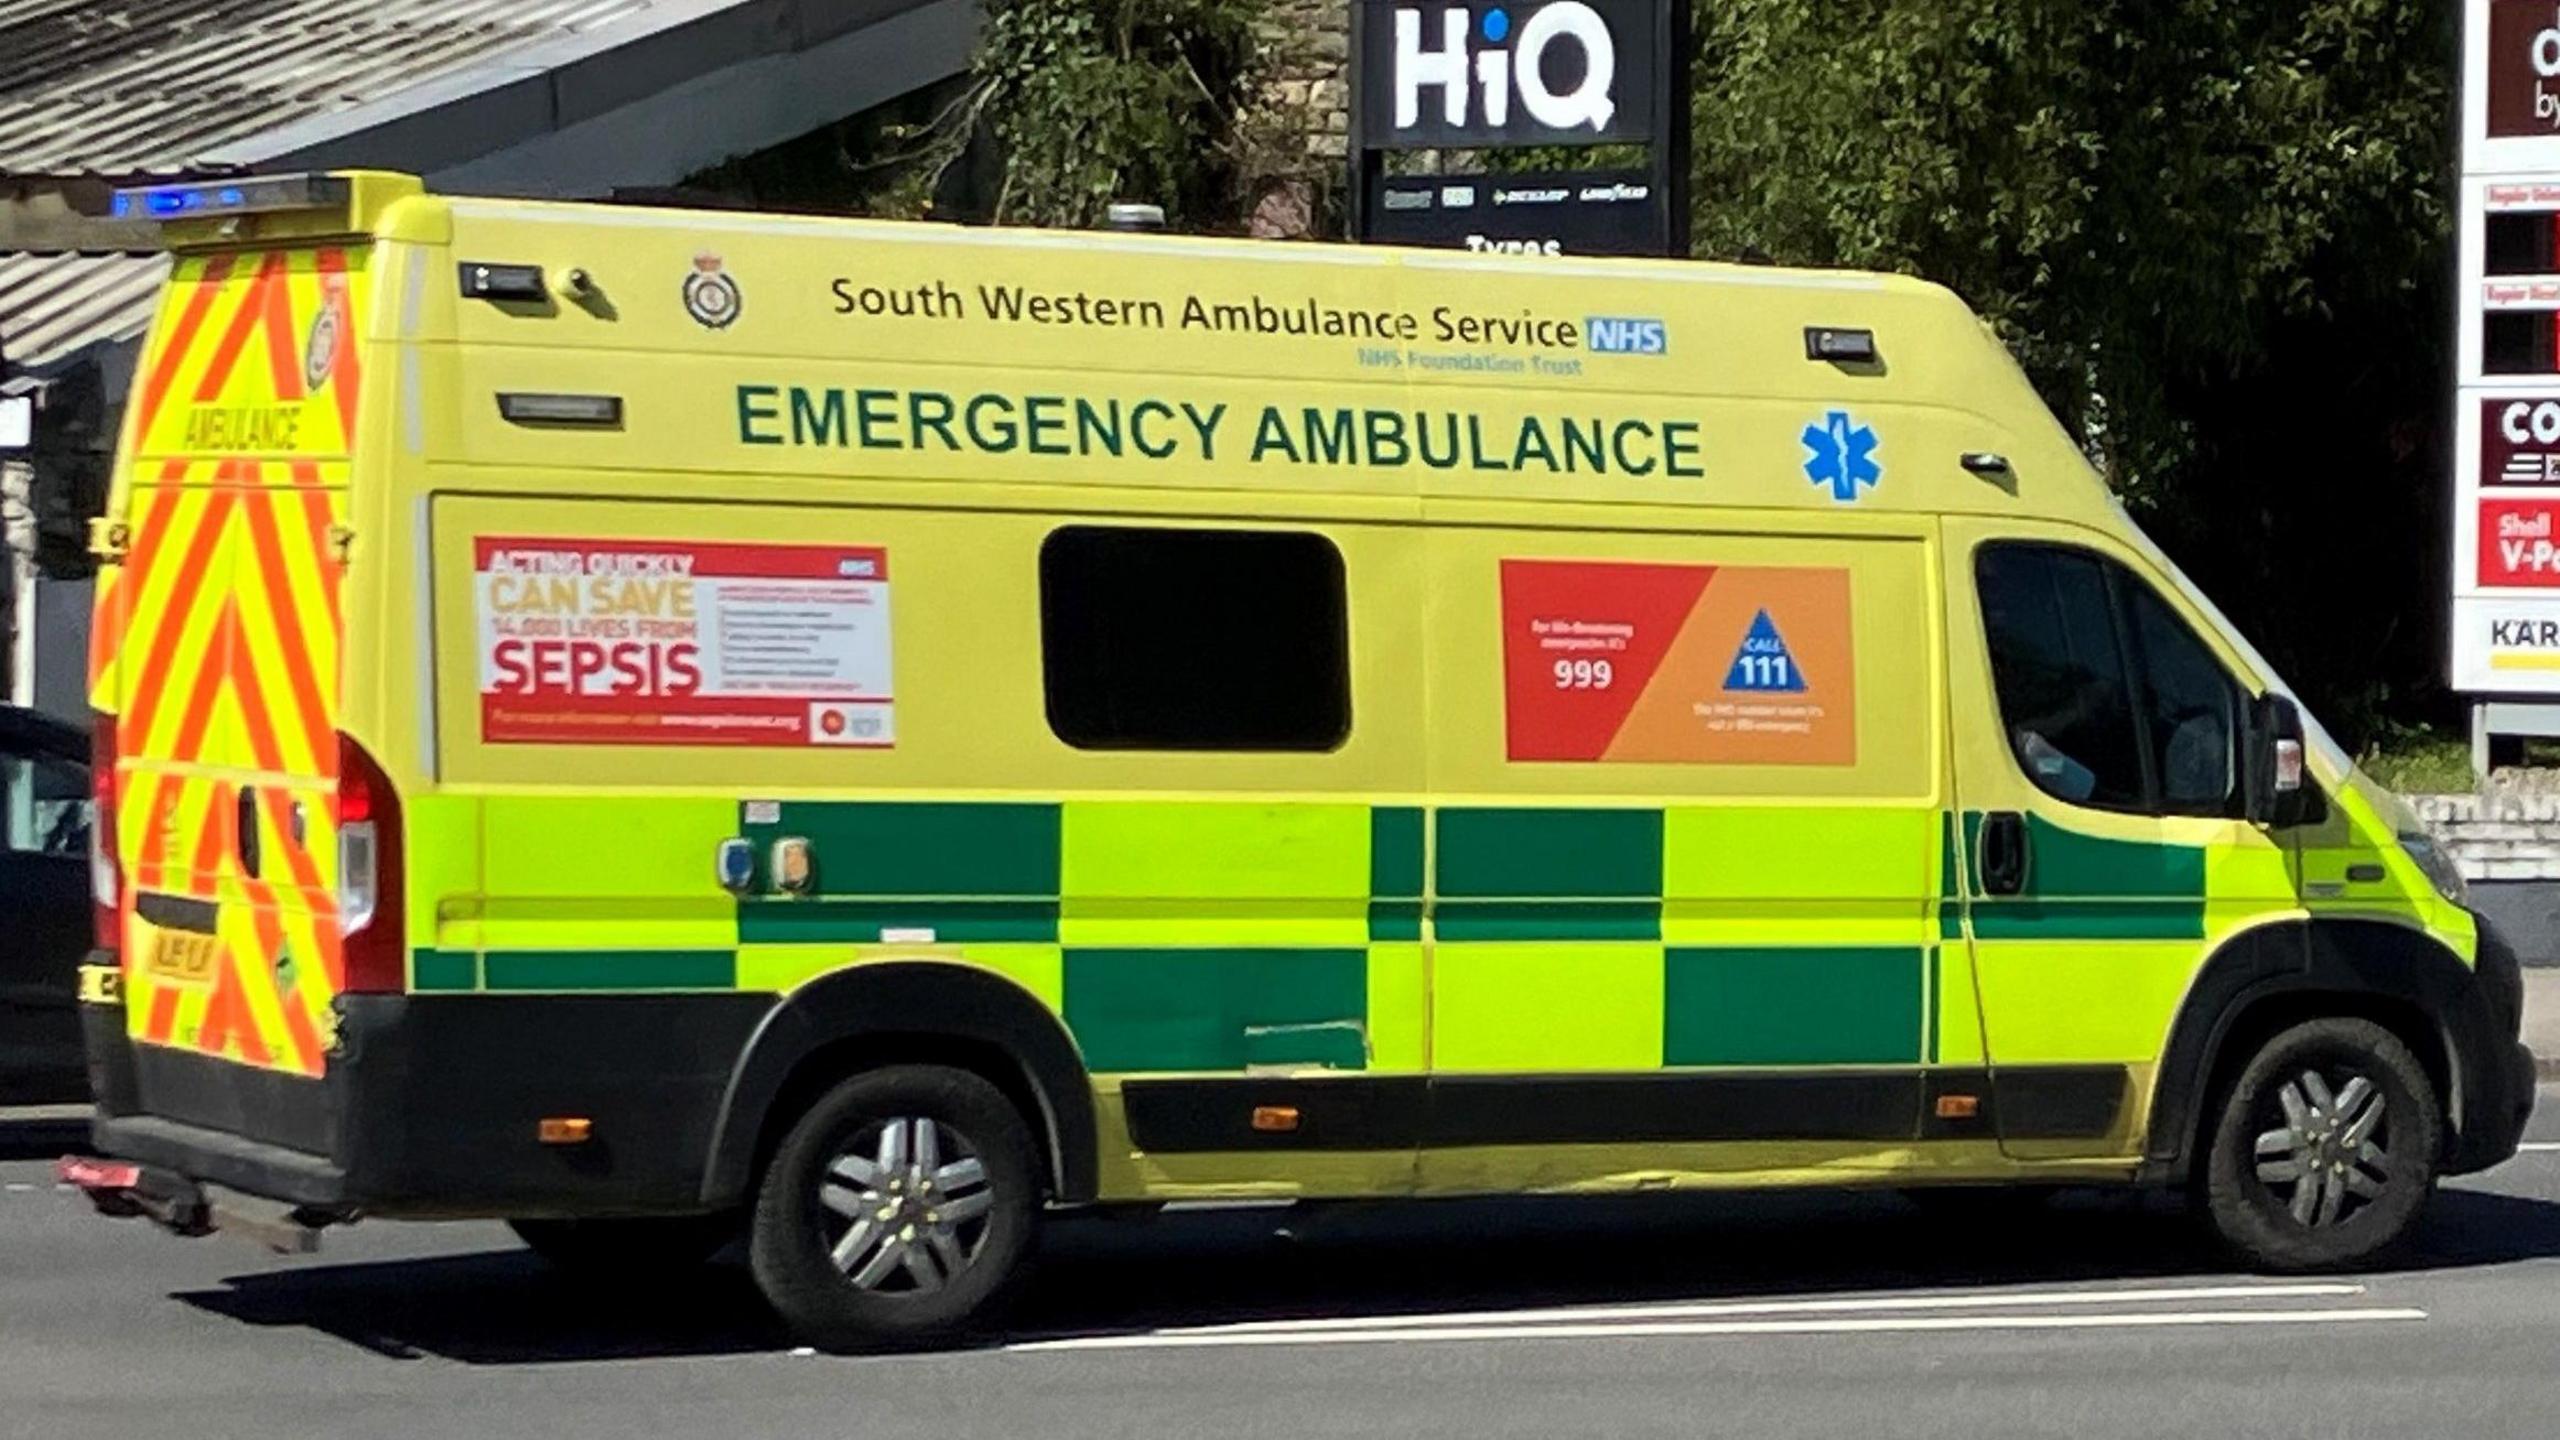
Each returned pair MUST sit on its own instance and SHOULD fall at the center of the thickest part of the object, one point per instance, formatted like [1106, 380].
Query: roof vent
[1134, 215]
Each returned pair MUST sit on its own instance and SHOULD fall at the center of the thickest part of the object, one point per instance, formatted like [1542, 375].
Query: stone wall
[2499, 834]
[1303, 134]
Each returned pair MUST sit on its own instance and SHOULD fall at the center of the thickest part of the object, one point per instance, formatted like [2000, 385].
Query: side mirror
[2280, 790]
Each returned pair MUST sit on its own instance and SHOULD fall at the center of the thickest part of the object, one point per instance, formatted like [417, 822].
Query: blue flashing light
[249, 196]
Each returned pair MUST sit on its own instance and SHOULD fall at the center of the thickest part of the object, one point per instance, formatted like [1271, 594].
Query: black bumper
[2497, 1080]
[430, 1105]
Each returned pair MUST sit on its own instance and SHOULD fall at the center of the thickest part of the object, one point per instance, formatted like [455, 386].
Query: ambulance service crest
[320, 349]
[710, 293]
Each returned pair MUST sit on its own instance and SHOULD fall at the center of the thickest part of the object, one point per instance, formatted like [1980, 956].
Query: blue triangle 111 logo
[1763, 664]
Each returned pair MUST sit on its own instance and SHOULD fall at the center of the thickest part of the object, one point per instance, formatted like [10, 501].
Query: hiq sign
[1506, 72]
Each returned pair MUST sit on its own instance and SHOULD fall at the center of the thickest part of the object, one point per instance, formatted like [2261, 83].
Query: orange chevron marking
[227, 1017]
[235, 335]
[159, 814]
[270, 935]
[316, 519]
[313, 712]
[164, 1014]
[284, 362]
[233, 561]
[306, 875]
[301, 1037]
[181, 339]
[149, 681]
[106, 627]
[204, 871]
[207, 689]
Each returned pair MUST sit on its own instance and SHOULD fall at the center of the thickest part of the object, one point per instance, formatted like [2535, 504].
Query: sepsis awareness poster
[1677, 664]
[616, 642]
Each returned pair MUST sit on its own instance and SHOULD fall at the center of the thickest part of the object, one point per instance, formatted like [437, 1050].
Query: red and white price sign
[2520, 542]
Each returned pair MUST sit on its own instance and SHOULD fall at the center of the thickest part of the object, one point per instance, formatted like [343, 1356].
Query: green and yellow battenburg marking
[1198, 936]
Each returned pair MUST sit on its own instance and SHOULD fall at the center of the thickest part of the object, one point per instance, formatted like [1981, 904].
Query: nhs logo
[1608, 335]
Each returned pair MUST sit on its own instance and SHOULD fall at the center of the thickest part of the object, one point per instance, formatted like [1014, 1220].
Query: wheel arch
[890, 1012]
[2272, 976]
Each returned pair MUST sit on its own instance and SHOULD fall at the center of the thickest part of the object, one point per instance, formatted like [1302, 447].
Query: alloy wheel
[2327, 1160]
[905, 1206]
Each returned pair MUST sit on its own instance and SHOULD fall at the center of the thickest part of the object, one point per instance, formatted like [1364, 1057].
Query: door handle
[2003, 843]
[245, 831]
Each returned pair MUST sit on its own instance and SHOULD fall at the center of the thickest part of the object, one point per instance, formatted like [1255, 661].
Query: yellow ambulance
[672, 728]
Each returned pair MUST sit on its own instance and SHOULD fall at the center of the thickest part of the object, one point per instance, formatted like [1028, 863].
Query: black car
[44, 906]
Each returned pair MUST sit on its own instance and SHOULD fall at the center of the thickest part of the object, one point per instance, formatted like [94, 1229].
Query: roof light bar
[248, 195]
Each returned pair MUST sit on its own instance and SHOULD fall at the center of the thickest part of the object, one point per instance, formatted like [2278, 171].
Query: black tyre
[636, 1248]
[2325, 1148]
[899, 1210]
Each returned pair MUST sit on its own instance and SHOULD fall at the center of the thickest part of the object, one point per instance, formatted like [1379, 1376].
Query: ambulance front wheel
[899, 1210]
[2324, 1152]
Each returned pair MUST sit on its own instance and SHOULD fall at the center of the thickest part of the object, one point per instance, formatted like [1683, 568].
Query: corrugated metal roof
[54, 306]
[137, 87]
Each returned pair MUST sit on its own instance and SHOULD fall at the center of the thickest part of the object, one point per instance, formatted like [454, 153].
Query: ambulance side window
[2058, 664]
[2107, 698]
[1172, 639]
[2193, 711]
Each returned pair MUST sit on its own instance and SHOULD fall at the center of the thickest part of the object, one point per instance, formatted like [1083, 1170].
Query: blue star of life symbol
[1843, 455]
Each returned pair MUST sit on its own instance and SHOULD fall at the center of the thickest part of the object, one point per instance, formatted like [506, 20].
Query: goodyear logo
[1625, 336]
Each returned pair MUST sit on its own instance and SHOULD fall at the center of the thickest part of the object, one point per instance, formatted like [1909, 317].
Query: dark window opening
[2192, 713]
[2108, 699]
[1164, 639]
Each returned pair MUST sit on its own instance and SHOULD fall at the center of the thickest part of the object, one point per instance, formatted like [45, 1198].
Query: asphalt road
[1829, 1316]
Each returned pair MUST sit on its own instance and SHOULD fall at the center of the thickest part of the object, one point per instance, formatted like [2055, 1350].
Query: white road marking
[18, 1188]
[1847, 1305]
[1181, 1339]
[2538, 1147]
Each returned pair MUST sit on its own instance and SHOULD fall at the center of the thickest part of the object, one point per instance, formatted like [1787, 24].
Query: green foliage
[2213, 230]
[1092, 101]
[2420, 762]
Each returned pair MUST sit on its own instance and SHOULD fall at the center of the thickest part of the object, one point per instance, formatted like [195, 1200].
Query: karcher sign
[1508, 72]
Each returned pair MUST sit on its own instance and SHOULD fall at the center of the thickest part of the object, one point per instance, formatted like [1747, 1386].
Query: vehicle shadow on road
[505, 1307]
[1109, 1275]
[46, 1139]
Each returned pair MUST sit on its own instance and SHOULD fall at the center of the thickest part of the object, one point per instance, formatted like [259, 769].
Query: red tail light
[369, 915]
[106, 872]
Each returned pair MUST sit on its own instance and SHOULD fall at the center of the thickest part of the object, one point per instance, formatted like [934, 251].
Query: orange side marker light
[565, 1130]
[1275, 1119]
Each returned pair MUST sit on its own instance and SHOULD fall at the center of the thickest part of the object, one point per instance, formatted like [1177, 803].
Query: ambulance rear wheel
[899, 1210]
[637, 1248]
[2324, 1151]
